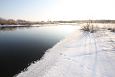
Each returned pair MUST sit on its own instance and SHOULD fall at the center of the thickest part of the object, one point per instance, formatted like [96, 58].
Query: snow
[81, 54]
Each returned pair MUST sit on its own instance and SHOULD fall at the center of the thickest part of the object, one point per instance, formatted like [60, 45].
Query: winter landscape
[57, 38]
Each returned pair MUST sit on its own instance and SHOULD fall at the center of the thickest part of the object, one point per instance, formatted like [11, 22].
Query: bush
[89, 27]
[111, 28]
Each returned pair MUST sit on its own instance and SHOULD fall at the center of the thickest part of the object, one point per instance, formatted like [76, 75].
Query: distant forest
[85, 21]
[21, 22]
[24, 22]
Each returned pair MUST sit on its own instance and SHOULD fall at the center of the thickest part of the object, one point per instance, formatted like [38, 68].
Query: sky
[38, 10]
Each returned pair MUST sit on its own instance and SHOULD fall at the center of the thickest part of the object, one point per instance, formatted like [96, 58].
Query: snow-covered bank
[81, 54]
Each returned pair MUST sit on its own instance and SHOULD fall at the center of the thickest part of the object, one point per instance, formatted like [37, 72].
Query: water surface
[21, 46]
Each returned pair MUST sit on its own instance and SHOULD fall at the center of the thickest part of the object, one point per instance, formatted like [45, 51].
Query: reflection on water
[12, 28]
[7, 29]
[20, 46]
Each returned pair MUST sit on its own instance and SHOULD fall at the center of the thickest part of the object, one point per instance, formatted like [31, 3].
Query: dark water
[21, 46]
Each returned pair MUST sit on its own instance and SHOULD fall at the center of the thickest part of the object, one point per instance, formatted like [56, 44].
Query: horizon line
[54, 20]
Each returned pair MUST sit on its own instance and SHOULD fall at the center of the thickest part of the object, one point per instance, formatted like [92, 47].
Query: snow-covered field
[81, 54]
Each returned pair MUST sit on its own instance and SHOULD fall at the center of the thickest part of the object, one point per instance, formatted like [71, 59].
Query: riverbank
[81, 54]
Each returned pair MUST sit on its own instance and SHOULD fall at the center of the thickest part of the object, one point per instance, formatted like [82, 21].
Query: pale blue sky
[27, 9]
[57, 9]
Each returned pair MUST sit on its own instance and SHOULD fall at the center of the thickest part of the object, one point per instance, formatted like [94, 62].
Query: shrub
[112, 29]
[89, 27]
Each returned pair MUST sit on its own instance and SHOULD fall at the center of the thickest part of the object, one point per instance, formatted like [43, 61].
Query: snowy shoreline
[14, 26]
[37, 25]
[81, 54]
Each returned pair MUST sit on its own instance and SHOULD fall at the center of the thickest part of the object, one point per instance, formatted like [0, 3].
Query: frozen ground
[81, 54]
